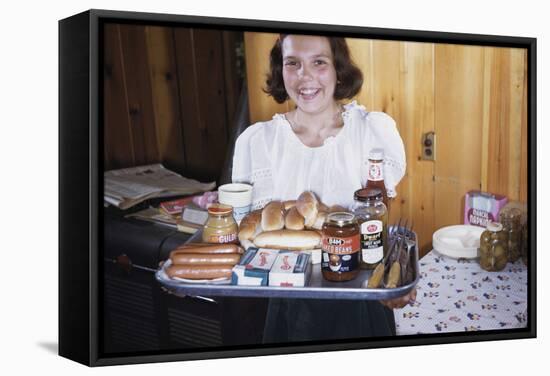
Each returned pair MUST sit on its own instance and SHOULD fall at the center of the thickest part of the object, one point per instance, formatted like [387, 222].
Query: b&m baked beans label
[340, 254]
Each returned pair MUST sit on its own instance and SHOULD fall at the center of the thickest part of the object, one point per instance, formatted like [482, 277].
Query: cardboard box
[481, 207]
[254, 267]
[291, 269]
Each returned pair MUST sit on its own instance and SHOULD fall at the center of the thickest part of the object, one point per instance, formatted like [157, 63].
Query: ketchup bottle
[376, 173]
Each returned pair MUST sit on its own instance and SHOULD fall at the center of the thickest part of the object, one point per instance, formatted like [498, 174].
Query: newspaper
[127, 187]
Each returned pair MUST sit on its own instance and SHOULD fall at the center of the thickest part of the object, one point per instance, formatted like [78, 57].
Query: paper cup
[239, 196]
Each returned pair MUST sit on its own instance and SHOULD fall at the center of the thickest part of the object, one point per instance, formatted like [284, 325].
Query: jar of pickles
[524, 244]
[492, 251]
[220, 227]
[511, 226]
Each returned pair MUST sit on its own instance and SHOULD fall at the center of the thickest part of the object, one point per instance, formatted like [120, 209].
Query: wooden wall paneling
[257, 49]
[488, 58]
[187, 83]
[459, 126]
[517, 75]
[498, 142]
[163, 76]
[202, 92]
[118, 145]
[213, 95]
[387, 66]
[361, 54]
[505, 121]
[139, 93]
[417, 118]
[231, 79]
[524, 187]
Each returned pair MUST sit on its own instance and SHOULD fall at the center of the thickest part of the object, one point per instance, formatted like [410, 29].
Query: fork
[377, 275]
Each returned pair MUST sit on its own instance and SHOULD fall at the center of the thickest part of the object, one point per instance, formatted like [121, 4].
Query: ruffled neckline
[348, 108]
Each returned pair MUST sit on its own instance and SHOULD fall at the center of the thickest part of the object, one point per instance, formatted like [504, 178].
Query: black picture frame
[81, 180]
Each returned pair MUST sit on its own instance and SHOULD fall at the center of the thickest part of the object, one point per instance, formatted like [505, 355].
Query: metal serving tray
[317, 288]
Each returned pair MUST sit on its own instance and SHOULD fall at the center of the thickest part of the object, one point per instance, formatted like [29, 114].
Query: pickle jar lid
[220, 209]
[494, 226]
[376, 154]
[368, 194]
[341, 218]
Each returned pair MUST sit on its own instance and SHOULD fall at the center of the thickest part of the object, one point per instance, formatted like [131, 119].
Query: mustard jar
[220, 227]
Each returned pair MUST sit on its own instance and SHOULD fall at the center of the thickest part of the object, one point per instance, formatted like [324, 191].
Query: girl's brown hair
[349, 77]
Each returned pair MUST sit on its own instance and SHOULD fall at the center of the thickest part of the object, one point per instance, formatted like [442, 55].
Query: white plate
[164, 277]
[459, 241]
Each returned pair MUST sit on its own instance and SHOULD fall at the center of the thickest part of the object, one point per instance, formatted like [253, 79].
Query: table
[455, 295]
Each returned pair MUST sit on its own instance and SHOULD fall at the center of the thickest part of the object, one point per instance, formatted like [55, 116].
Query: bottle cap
[376, 154]
[494, 226]
[219, 209]
[368, 194]
[341, 218]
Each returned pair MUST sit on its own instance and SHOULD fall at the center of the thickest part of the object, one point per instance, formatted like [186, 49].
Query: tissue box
[481, 207]
[254, 267]
[290, 269]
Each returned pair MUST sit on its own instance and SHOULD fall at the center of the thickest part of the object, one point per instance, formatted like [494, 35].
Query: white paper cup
[239, 196]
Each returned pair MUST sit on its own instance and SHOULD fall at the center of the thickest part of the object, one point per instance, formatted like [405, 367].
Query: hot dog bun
[250, 226]
[308, 206]
[289, 204]
[320, 220]
[273, 216]
[323, 207]
[289, 239]
[294, 220]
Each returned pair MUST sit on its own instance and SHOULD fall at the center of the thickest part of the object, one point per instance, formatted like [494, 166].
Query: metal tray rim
[308, 292]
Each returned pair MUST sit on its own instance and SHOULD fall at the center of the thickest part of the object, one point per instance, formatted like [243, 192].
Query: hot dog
[190, 245]
[204, 259]
[199, 271]
[209, 249]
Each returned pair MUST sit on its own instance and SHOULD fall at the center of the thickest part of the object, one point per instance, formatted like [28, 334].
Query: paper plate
[459, 241]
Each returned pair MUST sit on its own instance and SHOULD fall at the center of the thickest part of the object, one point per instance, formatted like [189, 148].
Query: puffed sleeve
[251, 164]
[383, 133]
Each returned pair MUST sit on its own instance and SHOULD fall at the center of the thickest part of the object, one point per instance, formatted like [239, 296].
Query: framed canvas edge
[96, 16]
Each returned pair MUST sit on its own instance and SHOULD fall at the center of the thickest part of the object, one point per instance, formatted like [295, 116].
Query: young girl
[321, 146]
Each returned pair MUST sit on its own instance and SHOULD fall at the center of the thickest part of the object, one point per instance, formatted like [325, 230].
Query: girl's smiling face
[309, 74]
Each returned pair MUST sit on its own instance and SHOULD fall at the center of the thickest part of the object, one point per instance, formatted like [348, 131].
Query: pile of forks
[395, 269]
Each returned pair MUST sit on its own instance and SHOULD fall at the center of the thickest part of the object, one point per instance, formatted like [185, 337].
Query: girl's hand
[400, 302]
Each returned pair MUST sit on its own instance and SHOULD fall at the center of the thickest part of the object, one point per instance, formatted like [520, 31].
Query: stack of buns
[293, 225]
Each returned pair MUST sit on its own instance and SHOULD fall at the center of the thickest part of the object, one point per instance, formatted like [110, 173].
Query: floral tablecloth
[457, 295]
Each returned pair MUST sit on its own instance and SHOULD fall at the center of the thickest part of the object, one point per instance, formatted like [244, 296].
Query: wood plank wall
[473, 98]
[169, 96]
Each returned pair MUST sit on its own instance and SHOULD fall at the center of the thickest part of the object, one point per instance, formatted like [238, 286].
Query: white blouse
[271, 157]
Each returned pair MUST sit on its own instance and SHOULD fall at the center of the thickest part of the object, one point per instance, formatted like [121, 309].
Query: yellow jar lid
[220, 209]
